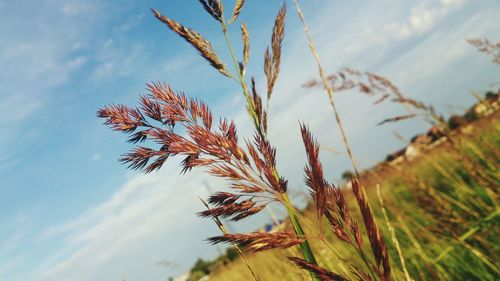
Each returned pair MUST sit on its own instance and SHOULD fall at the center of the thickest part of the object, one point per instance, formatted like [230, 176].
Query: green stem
[304, 246]
[250, 107]
[365, 260]
[223, 229]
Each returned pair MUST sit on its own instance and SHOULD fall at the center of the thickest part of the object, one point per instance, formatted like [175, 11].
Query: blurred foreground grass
[442, 205]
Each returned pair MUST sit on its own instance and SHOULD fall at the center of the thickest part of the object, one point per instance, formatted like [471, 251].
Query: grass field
[442, 207]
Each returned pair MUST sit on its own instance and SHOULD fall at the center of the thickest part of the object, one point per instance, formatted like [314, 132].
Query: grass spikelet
[272, 59]
[257, 103]
[314, 171]
[277, 38]
[373, 84]
[234, 211]
[485, 46]
[337, 213]
[237, 10]
[396, 119]
[222, 198]
[196, 40]
[259, 241]
[122, 118]
[245, 37]
[377, 242]
[268, 70]
[214, 8]
[319, 272]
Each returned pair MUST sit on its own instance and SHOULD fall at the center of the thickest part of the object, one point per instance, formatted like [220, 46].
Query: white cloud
[423, 17]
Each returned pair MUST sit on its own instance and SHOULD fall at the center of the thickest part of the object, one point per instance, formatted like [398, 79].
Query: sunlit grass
[443, 207]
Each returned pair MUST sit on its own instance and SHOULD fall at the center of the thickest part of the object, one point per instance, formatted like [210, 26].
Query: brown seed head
[214, 8]
[122, 118]
[397, 118]
[202, 146]
[272, 62]
[314, 171]
[485, 46]
[235, 211]
[319, 272]
[377, 242]
[237, 10]
[259, 241]
[245, 37]
[222, 198]
[196, 40]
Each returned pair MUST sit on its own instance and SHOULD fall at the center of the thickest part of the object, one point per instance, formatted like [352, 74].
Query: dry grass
[196, 40]
[383, 89]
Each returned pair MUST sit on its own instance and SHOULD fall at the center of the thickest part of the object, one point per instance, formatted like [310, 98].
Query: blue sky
[70, 211]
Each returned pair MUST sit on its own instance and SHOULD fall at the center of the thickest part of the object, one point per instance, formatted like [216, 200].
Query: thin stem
[339, 255]
[224, 230]
[393, 235]
[329, 91]
[365, 260]
[359, 251]
[240, 252]
[304, 246]
[327, 87]
[250, 104]
[322, 238]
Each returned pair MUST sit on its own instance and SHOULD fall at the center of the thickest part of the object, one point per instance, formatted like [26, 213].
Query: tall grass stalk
[304, 246]
[393, 235]
[327, 87]
[374, 234]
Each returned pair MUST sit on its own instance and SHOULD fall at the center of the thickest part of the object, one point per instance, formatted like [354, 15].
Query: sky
[70, 211]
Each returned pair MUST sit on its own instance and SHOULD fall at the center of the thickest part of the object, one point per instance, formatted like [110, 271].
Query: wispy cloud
[423, 17]
[115, 61]
[40, 52]
[144, 218]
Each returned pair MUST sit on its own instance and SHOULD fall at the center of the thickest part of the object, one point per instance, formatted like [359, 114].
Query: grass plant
[439, 212]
